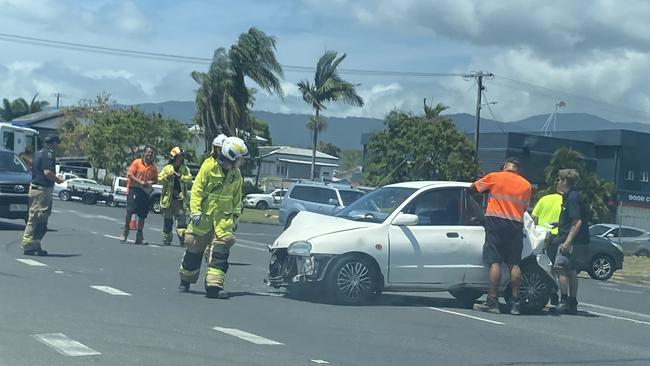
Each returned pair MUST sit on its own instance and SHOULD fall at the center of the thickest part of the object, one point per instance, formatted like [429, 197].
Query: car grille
[11, 188]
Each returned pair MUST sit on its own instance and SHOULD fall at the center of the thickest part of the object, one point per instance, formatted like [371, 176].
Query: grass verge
[635, 269]
[254, 216]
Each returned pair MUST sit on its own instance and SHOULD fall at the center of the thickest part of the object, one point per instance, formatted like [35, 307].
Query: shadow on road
[10, 226]
[238, 264]
[55, 255]
[9, 275]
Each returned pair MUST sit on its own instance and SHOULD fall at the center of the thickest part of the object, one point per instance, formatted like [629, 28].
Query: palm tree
[19, 107]
[328, 86]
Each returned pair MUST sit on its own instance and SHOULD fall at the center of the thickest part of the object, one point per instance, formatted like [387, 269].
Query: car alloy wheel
[352, 280]
[262, 205]
[534, 290]
[601, 268]
[156, 206]
[64, 196]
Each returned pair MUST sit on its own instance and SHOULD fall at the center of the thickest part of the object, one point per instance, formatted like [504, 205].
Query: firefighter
[174, 178]
[207, 208]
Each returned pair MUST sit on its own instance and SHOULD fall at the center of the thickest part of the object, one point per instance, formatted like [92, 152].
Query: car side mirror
[403, 219]
[333, 202]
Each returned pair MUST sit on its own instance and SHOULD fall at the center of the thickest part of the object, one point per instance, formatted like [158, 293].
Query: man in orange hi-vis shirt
[509, 197]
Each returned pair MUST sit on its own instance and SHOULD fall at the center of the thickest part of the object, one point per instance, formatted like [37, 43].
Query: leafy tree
[328, 148]
[328, 86]
[19, 107]
[596, 192]
[350, 159]
[427, 147]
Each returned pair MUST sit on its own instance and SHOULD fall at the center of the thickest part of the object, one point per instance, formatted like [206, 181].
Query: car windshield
[377, 205]
[349, 196]
[10, 162]
[598, 230]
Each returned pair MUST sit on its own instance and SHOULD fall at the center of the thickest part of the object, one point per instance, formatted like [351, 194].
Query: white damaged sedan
[413, 236]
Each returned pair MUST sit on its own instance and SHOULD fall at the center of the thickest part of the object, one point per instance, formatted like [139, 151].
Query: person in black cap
[40, 196]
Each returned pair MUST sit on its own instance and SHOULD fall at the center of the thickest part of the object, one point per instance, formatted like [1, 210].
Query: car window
[327, 194]
[630, 233]
[10, 162]
[377, 205]
[474, 209]
[614, 233]
[306, 193]
[437, 207]
[598, 230]
[349, 196]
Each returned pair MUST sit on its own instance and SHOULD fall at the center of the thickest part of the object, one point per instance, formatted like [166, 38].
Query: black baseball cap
[52, 139]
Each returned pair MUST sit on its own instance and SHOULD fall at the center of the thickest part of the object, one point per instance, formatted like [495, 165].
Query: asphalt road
[50, 313]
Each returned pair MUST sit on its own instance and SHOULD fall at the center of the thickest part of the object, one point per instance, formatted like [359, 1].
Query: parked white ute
[414, 236]
[262, 201]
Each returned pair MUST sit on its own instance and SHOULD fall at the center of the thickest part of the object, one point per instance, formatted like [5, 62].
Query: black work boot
[35, 252]
[572, 306]
[215, 293]
[184, 286]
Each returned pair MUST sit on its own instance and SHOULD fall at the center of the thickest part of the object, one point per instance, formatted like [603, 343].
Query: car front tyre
[352, 281]
[534, 291]
[643, 253]
[601, 267]
[262, 205]
[64, 195]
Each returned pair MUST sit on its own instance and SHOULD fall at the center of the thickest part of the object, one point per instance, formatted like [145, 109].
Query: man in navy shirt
[40, 196]
[573, 230]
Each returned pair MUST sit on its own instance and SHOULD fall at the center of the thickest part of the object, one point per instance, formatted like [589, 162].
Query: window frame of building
[644, 177]
[629, 176]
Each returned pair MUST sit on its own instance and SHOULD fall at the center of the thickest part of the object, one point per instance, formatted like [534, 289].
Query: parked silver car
[634, 241]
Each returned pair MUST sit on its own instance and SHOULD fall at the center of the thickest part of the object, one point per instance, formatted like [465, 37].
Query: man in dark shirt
[572, 230]
[40, 197]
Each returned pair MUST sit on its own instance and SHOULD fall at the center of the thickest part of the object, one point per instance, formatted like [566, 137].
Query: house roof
[307, 162]
[33, 118]
[295, 151]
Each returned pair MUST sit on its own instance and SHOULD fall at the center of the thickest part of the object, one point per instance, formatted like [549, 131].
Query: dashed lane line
[620, 318]
[31, 262]
[621, 290]
[320, 362]
[466, 316]
[65, 345]
[620, 311]
[251, 247]
[250, 337]
[111, 290]
[118, 238]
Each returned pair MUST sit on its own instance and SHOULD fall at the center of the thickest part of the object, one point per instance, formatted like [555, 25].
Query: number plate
[18, 208]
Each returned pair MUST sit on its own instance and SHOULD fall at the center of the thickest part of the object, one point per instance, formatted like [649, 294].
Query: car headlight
[620, 248]
[300, 248]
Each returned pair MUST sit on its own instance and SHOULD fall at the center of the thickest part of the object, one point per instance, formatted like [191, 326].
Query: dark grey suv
[15, 178]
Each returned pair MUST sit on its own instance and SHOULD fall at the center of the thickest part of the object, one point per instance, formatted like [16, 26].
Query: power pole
[58, 98]
[479, 80]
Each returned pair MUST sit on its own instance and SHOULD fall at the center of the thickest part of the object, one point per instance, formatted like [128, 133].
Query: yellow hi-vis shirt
[547, 210]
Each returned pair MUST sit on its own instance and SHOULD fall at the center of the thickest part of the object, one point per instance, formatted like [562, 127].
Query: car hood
[255, 195]
[309, 225]
[15, 178]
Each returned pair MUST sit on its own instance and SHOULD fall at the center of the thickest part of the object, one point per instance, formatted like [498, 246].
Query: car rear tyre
[601, 267]
[155, 207]
[262, 205]
[466, 296]
[89, 199]
[534, 291]
[352, 281]
[64, 196]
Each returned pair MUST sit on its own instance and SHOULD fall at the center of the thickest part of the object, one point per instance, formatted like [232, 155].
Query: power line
[498, 123]
[196, 60]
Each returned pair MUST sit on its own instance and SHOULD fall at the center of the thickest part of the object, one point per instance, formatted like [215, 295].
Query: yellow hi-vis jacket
[168, 183]
[213, 193]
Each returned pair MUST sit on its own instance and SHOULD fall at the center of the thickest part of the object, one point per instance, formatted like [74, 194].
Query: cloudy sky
[594, 55]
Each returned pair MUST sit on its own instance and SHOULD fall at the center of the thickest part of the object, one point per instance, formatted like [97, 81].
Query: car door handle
[452, 235]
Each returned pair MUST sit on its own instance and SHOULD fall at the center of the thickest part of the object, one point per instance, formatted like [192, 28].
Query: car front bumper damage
[286, 269]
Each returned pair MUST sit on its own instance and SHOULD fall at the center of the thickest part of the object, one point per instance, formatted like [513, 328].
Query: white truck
[119, 194]
[20, 140]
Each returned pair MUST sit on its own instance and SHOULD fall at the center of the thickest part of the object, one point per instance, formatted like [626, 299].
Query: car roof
[429, 184]
[616, 226]
[325, 185]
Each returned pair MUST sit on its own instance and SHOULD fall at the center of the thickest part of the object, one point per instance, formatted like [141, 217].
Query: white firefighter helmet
[218, 141]
[234, 148]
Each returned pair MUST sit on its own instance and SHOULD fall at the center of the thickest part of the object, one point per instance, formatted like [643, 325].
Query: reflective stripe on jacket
[168, 183]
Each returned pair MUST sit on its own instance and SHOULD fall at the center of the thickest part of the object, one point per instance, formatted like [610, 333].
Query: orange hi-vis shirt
[509, 195]
[142, 171]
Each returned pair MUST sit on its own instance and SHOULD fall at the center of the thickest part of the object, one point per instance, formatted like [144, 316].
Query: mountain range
[290, 129]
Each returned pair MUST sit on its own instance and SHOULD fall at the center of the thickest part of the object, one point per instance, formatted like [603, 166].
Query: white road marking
[94, 232]
[321, 362]
[155, 229]
[64, 345]
[247, 336]
[111, 290]
[31, 262]
[252, 234]
[627, 312]
[272, 294]
[250, 247]
[154, 246]
[466, 316]
[118, 238]
[56, 211]
[86, 216]
[621, 290]
[620, 318]
[58, 272]
[252, 242]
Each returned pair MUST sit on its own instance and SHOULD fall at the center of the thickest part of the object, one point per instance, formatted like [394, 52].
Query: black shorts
[504, 241]
[137, 201]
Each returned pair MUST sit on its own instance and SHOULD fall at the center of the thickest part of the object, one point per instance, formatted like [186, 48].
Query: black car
[15, 178]
[601, 258]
